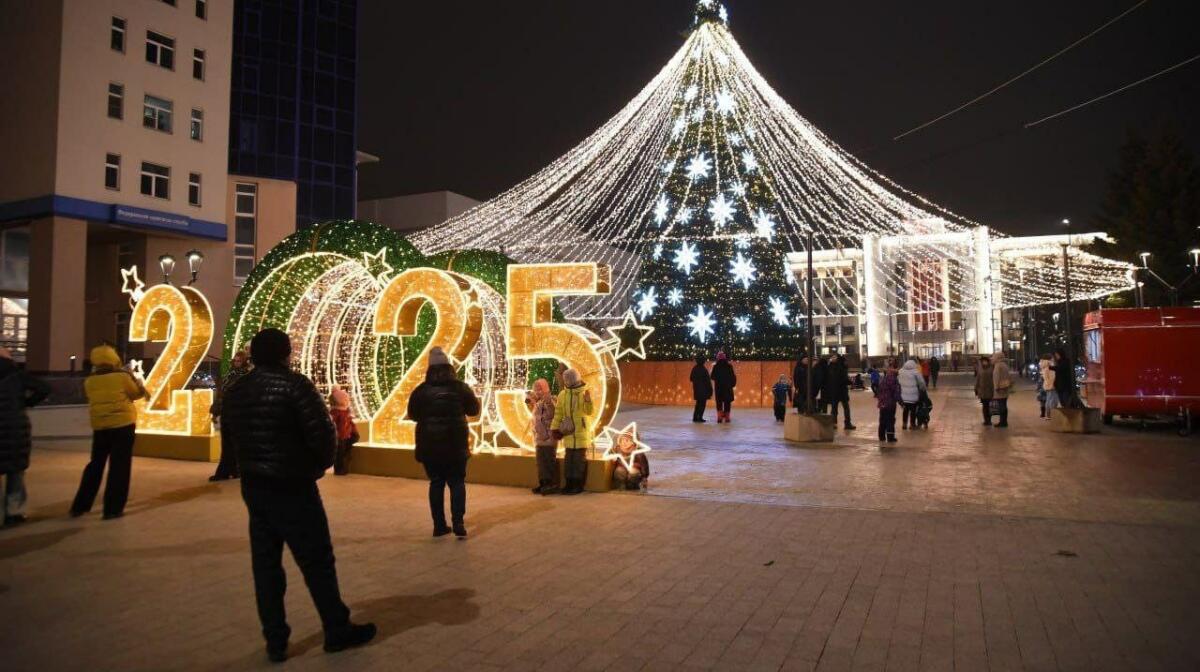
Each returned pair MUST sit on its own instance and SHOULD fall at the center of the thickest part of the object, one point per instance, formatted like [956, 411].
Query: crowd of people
[279, 436]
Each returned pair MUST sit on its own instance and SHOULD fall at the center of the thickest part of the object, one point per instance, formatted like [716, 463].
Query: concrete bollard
[808, 428]
[1075, 420]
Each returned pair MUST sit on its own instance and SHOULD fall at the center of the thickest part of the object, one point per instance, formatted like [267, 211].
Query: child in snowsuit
[632, 471]
[783, 394]
[347, 433]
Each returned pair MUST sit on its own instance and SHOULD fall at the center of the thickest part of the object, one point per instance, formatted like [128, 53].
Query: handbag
[567, 424]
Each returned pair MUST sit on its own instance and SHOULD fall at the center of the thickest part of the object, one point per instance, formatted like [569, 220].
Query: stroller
[924, 408]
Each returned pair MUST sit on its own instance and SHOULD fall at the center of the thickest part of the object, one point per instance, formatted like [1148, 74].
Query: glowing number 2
[532, 334]
[459, 322]
[182, 318]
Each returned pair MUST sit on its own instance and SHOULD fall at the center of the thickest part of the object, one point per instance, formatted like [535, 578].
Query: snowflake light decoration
[700, 323]
[743, 270]
[648, 302]
[675, 296]
[764, 224]
[699, 166]
[742, 241]
[724, 102]
[686, 257]
[661, 209]
[739, 189]
[779, 311]
[690, 94]
[749, 162]
[658, 250]
[684, 216]
[678, 128]
[742, 324]
[721, 210]
[735, 139]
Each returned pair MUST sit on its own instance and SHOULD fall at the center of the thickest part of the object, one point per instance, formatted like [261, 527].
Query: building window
[160, 50]
[198, 64]
[116, 100]
[156, 180]
[201, 9]
[156, 113]
[197, 125]
[112, 171]
[245, 225]
[193, 188]
[118, 34]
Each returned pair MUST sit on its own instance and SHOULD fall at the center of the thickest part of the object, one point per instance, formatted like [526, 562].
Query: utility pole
[1067, 289]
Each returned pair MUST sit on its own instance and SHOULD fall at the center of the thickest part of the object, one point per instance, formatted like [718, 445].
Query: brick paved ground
[859, 560]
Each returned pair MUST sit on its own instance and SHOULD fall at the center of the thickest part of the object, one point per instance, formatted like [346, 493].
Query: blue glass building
[292, 106]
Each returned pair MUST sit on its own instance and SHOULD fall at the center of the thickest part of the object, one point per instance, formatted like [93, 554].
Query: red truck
[1141, 362]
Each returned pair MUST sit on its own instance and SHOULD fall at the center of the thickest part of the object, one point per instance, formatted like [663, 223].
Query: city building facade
[119, 155]
[292, 113]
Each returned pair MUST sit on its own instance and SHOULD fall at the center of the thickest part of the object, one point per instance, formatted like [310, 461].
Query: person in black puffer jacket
[285, 442]
[440, 407]
[18, 391]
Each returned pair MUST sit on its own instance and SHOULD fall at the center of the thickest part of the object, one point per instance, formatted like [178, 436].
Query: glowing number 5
[459, 321]
[182, 317]
[532, 334]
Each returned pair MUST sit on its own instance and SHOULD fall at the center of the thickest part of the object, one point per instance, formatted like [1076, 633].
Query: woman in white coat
[911, 385]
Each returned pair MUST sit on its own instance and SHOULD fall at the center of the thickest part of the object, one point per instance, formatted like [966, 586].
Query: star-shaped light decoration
[742, 241]
[658, 250]
[749, 162]
[735, 139]
[648, 302]
[764, 224]
[698, 167]
[779, 311]
[377, 265]
[721, 210]
[680, 125]
[675, 296]
[479, 441]
[613, 452]
[684, 216]
[132, 285]
[739, 189]
[686, 257]
[742, 324]
[700, 323]
[661, 209]
[690, 93]
[630, 336]
[743, 270]
[137, 370]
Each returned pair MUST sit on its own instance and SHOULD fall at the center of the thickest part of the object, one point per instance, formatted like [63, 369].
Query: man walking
[935, 367]
[702, 388]
[285, 441]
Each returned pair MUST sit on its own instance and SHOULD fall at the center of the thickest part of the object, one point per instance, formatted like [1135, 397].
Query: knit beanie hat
[571, 378]
[438, 356]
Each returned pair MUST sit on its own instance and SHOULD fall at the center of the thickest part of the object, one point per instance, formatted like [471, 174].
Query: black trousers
[227, 467]
[292, 515]
[698, 414]
[934, 375]
[887, 422]
[575, 465]
[910, 413]
[115, 447]
[547, 465]
[454, 476]
[723, 406]
[780, 412]
[844, 403]
[1002, 410]
[987, 410]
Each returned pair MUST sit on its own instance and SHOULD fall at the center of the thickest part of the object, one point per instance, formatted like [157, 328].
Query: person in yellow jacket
[572, 424]
[111, 391]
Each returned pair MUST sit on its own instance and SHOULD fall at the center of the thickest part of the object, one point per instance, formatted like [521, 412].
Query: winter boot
[460, 530]
[350, 636]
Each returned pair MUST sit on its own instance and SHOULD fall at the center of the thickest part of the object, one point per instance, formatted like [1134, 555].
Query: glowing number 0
[532, 334]
[182, 318]
[459, 322]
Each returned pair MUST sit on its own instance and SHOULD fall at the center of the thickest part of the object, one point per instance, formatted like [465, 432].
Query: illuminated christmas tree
[716, 276]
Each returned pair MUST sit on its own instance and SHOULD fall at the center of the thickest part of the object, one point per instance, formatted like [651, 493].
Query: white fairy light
[721, 210]
[779, 311]
[700, 323]
[742, 324]
[699, 166]
[743, 270]
[647, 304]
[590, 204]
[686, 257]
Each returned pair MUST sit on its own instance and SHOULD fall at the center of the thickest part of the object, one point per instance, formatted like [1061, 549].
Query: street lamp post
[194, 258]
[808, 409]
[167, 264]
[1067, 292]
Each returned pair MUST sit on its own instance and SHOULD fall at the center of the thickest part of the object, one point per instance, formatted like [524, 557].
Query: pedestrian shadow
[220, 546]
[393, 615]
[171, 497]
[12, 547]
[496, 516]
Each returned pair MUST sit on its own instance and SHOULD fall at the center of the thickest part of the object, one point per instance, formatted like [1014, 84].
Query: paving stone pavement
[930, 575]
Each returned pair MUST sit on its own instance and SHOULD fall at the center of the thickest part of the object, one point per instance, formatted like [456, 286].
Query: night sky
[474, 97]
